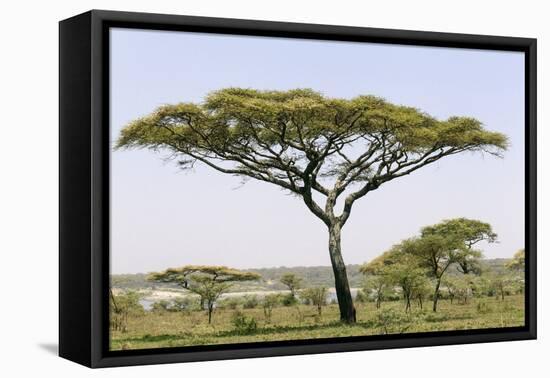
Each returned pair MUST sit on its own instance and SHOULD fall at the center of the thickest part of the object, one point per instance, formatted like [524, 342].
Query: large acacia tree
[329, 152]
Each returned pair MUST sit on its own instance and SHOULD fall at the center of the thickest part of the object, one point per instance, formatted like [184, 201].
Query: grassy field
[174, 329]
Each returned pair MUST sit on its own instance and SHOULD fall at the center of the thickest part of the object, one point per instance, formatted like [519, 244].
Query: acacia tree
[395, 267]
[208, 282]
[326, 151]
[517, 263]
[377, 286]
[292, 281]
[317, 296]
[436, 253]
[467, 231]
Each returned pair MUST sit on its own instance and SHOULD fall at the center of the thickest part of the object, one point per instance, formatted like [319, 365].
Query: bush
[288, 300]
[393, 321]
[269, 302]
[251, 301]
[123, 306]
[483, 307]
[160, 306]
[317, 296]
[242, 324]
[231, 303]
[184, 304]
[361, 296]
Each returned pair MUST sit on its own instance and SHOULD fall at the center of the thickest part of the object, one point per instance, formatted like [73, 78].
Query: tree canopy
[292, 281]
[432, 253]
[301, 140]
[208, 282]
[518, 261]
[468, 232]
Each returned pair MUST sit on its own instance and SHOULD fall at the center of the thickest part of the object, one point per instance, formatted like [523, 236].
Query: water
[147, 303]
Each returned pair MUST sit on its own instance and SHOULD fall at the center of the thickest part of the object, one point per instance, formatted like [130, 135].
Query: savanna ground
[156, 329]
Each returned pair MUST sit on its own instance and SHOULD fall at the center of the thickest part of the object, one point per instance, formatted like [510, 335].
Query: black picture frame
[84, 186]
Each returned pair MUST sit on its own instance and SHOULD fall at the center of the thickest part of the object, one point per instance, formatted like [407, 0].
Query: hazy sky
[162, 217]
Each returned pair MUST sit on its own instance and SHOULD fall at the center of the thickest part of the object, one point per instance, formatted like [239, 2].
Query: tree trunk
[343, 293]
[436, 294]
[210, 309]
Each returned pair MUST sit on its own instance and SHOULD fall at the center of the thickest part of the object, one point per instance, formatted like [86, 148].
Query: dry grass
[172, 329]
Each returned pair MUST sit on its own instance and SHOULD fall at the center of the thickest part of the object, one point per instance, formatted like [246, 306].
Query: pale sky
[162, 217]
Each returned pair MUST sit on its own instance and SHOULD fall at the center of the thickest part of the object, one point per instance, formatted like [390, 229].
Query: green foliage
[289, 300]
[242, 324]
[122, 306]
[504, 284]
[468, 232]
[250, 301]
[459, 288]
[317, 296]
[517, 263]
[230, 303]
[292, 281]
[269, 302]
[278, 119]
[161, 306]
[362, 296]
[184, 304]
[440, 246]
[376, 288]
[209, 282]
[393, 321]
[483, 307]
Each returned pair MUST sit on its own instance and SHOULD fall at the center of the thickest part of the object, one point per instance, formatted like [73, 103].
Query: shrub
[269, 302]
[231, 303]
[242, 324]
[317, 296]
[251, 301]
[361, 296]
[160, 306]
[393, 321]
[288, 300]
[184, 304]
[483, 307]
[122, 306]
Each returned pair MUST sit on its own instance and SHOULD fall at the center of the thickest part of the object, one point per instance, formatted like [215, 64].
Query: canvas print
[270, 189]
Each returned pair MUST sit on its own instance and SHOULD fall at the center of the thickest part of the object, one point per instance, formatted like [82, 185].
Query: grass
[174, 329]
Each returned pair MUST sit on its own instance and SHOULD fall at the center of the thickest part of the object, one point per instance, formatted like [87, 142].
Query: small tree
[376, 287]
[459, 288]
[500, 283]
[396, 268]
[292, 281]
[161, 306]
[517, 263]
[208, 282]
[317, 296]
[410, 278]
[376, 281]
[468, 232]
[269, 302]
[122, 307]
[436, 250]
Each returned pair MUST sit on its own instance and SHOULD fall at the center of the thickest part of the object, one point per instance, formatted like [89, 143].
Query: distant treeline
[313, 276]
